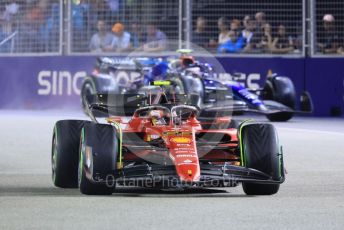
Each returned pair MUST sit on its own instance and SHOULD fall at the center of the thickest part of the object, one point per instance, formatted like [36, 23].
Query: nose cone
[183, 153]
[188, 172]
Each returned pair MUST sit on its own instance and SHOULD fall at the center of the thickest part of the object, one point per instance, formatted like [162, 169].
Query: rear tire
[101, 140]
[64, 155]
[282, 90]
[261, 152]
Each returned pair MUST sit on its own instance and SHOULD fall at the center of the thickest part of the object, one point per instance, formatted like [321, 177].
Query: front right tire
[261, 151]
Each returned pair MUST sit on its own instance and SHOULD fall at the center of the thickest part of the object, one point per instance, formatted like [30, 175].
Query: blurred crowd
[97, 26]
[35, 24]
[252, 34]
[120, 40]
[329, 39]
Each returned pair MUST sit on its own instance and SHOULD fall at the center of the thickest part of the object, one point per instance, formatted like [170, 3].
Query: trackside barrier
[54, 82]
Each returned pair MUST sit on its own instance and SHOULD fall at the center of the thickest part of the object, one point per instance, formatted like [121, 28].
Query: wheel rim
[54, 158]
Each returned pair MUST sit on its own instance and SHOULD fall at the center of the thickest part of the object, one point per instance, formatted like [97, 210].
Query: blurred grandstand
[236, 27]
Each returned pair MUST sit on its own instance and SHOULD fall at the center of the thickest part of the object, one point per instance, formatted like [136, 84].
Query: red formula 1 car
[164, 144]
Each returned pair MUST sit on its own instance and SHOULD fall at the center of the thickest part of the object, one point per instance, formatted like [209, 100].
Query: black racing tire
[64, 154]
[282, 90]
[88, 88]
[102, 141]
[261, 151]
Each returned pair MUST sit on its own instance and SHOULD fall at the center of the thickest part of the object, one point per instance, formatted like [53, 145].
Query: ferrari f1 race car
[164, 145]
[276, 99]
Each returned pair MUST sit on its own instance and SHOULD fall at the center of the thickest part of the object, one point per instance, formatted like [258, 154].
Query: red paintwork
[182, 147]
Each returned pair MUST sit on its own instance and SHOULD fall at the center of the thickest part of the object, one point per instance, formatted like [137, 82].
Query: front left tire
[64, 154]
[99, 149]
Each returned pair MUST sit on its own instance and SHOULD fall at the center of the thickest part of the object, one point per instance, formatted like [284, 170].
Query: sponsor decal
[126, 78]
[185, 149]
[183, 145]
[59, 82]
[188, 161]
[185, 155]
[184, 152]
[181, 140]
[249, 80]
[177, 133]
[118, 61]
[159, 83]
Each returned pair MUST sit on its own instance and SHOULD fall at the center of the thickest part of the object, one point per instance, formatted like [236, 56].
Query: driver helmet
[157, 117]
[176, 118]
[187, 60]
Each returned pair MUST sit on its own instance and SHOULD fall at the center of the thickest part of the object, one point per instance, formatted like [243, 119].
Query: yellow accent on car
[159, 83]
[181, 140]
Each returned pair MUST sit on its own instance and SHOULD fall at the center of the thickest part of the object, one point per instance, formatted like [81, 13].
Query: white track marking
[311, 131]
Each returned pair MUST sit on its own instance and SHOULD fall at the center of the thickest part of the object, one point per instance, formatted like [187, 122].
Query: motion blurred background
[48, 46]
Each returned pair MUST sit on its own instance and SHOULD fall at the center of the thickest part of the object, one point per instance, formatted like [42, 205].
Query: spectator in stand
[266, 41]
[30, 37]
[103, 10]
[121, 39]
[260, 21]
[200, 37]
[8, 16]
[102, 39]
[114, 8]
[235, 25]
[224, 35]
[135, 35]
[249, 34]
[79, 19]
[233, 45]
[340, 50]
[49, 31]
[156, 40]
[282, 44]
[298, 38]
[328, 41]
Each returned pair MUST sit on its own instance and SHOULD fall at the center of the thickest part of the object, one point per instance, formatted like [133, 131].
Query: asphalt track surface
[311, 198]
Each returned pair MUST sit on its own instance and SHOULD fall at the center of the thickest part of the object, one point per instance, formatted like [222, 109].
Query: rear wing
[104, 63]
